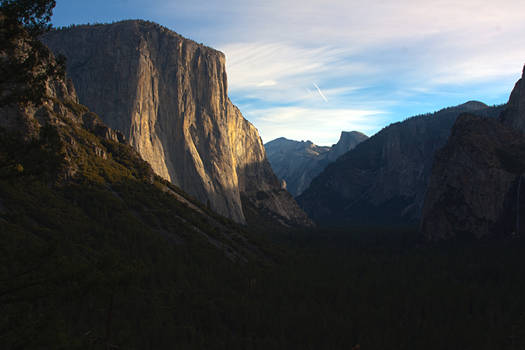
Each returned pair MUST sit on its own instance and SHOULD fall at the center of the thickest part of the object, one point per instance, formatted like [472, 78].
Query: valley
[139, 208]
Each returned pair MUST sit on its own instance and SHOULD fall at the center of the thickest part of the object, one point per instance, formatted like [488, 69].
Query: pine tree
[24, 74]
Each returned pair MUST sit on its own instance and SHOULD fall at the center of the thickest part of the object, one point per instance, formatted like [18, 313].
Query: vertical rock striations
[168, 95]
[69, 176]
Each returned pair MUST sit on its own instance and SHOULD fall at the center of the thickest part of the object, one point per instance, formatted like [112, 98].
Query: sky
[309, 69]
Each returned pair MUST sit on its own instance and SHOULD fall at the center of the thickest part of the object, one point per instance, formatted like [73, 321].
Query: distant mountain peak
[474, 105]
[280, 140]
[298, 162]
[350, 135]
[347, 141]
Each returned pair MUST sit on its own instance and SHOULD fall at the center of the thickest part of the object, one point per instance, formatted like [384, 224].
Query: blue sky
[308, 69]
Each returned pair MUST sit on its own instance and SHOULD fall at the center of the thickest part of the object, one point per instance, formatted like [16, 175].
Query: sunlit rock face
[299, 162]
[168, 95]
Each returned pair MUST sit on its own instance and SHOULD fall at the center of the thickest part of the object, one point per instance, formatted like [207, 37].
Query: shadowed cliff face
[513, 116]
[384, 179]
[299, 162]
[476, 187]
[168, 95]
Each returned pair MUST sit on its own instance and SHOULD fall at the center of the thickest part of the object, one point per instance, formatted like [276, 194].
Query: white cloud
[481, 66]
[348, 22]
[283, 73]
[267, 83]
[250, 64]
[448, 42]
[321, 126]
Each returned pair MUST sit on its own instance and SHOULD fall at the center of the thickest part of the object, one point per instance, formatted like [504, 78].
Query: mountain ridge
[383, 180]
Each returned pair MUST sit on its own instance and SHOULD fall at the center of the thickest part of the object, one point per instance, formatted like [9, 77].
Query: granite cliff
[475, 189]
[513, 115]
[84, 220]
[347, 141]
[62, 170]
[299, 162]
[168, 95]
[476, 185]
[384, 179]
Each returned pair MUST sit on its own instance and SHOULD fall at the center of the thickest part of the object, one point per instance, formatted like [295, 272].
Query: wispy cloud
[275, 74]
[401, 57]
[249, 65]
[267, 83]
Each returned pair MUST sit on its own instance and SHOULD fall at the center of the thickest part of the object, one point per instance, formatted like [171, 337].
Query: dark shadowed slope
[474, 189]
[476, 184]
[384, 179]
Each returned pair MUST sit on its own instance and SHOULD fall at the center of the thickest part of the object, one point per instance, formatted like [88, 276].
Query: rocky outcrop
[476, 186]
[513, 116]
[29, 91]
[384, 179]
[347, 141]
[295, 162]
[168, 95]
[52, 118]
[299, 162]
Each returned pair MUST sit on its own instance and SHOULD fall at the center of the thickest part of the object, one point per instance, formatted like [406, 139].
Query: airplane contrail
[320, 92]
